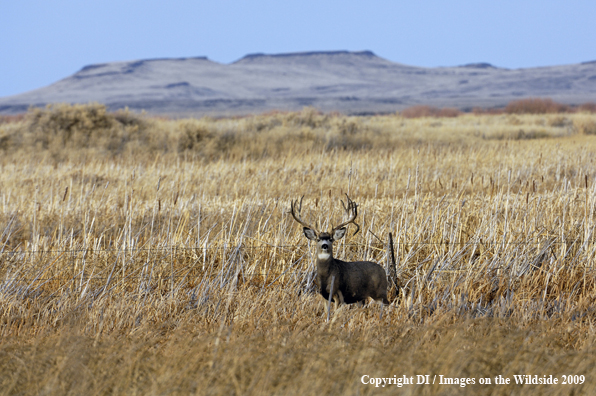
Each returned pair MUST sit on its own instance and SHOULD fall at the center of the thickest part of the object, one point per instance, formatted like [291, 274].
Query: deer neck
[325, 263]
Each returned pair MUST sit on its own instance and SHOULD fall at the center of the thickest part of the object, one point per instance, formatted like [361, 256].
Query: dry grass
[169, 263]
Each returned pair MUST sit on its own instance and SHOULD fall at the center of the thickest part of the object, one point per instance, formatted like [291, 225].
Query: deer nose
[324, 246]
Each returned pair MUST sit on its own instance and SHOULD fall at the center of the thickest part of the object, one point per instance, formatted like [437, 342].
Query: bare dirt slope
[350, 82]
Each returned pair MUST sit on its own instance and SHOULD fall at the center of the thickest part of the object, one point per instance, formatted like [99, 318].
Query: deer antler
[351, 209]
[298, 217]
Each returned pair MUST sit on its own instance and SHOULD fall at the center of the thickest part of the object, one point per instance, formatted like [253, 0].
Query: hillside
[349, 82]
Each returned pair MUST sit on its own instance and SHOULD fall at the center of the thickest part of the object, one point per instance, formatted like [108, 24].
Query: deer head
[325, 240]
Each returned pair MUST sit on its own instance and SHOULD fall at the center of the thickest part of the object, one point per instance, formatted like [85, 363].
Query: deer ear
[310, 234]
[339, 234]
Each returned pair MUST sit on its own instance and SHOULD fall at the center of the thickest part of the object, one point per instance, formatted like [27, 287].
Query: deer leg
[381, 301]
[338, 298]
[331, 296]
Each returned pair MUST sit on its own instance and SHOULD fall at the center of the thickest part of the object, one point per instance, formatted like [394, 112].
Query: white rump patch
[324, 256]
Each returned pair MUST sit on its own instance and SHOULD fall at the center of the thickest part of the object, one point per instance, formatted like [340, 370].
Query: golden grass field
[151, 256]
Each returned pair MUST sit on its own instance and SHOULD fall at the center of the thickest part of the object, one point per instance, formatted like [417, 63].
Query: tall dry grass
[168, 263]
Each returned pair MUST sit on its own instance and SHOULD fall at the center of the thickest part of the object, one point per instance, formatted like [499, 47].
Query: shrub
[519, 134]
[430, 111]
[68, 122]
[309, 116]
[6, 119]
[63, 130]
[535, 106]
[560, 122]
[193, 136]
[586, 126]
[126, 118]
[587, 107]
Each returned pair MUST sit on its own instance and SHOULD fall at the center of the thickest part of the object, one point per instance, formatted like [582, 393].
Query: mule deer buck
[345, 282]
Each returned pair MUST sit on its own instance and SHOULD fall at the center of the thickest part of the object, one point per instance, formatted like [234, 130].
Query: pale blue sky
[44, 41]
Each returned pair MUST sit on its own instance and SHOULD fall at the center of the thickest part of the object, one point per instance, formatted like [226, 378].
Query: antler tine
[298, 217]
[351, 209]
